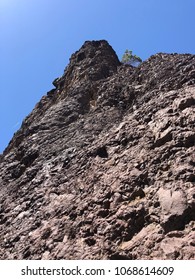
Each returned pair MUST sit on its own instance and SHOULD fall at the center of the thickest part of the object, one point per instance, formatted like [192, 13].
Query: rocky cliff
[103, 167]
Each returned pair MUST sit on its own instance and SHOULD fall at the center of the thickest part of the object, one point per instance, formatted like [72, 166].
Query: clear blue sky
[37, 38]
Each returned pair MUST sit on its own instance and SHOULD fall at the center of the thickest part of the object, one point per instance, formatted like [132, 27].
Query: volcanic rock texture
[103, 167]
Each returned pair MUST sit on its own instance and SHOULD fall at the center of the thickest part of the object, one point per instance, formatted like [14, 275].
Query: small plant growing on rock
[131, 59]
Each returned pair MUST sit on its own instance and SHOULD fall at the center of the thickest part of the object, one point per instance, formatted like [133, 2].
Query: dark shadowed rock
[103, 167]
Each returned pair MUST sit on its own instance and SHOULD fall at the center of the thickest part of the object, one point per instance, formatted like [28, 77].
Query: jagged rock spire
[94, 61]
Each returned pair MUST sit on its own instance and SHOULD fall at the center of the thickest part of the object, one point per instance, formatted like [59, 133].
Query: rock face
[104, 166]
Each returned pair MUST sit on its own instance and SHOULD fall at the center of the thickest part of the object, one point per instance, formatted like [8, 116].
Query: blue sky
[38, 36]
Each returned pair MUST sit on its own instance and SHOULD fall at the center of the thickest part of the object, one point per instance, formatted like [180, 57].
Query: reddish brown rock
[103, 167]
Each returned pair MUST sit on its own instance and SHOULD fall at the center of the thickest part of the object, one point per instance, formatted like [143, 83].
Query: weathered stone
[103, 167]
[173, 205]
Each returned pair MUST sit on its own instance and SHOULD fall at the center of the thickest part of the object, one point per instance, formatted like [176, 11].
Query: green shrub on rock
[129, 58]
